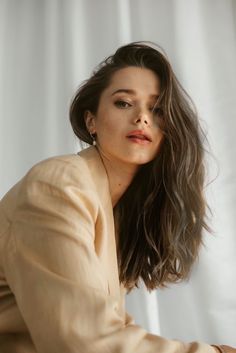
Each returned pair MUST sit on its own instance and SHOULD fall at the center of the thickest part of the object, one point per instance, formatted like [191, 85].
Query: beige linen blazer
[59, 283]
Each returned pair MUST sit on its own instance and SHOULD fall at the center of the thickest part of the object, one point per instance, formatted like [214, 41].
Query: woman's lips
[139, 139]
[139, 136]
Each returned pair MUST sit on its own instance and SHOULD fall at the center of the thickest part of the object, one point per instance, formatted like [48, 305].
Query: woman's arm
[57, 279]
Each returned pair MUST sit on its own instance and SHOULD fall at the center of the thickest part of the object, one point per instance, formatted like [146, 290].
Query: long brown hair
[162, 214]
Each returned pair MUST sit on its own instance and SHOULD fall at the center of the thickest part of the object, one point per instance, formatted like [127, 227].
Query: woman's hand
[224, 349]
[228, 349]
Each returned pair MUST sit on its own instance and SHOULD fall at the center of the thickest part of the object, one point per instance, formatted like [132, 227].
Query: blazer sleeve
[57, 279]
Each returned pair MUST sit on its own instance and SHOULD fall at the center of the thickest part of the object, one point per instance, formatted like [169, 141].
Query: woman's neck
[120, 176]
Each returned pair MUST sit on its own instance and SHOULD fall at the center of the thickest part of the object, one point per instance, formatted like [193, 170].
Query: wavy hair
[161, 216]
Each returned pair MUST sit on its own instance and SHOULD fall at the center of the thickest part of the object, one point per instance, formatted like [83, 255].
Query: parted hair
[161, 217]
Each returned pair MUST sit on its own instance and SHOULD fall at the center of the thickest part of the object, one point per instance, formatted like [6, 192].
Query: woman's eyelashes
[123, 104]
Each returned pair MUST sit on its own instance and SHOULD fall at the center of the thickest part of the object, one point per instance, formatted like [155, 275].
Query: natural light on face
[127, 122]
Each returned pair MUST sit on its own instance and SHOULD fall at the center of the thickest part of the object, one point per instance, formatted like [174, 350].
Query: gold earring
[93, 137]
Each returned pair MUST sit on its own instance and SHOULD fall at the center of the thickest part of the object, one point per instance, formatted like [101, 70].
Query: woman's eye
[122, 104]
[157, 111]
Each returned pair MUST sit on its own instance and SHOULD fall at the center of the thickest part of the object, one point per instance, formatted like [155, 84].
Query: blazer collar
[107, 247]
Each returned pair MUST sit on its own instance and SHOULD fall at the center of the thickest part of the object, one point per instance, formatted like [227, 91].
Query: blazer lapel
[106, 244]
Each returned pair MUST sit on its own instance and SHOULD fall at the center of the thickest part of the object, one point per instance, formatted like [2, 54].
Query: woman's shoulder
[81, 172]
[58, 171]
[58, 177]
[55, 163]
[59, 168]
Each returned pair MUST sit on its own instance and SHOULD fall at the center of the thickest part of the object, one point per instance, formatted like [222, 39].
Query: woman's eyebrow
[131, 91]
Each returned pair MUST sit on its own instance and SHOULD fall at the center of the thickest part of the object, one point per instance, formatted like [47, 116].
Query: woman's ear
[89, 119]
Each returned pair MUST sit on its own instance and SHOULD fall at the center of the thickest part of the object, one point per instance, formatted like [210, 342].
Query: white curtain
[48, 47]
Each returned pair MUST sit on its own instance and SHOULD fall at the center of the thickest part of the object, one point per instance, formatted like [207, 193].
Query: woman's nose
[142, 118]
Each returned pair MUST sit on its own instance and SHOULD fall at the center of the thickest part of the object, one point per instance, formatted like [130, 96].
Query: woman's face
[127, 127]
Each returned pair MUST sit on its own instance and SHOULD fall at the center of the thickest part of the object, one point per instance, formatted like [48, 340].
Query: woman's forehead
[131, 79]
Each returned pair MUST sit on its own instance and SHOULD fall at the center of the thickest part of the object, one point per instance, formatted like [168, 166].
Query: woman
[78, 231]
